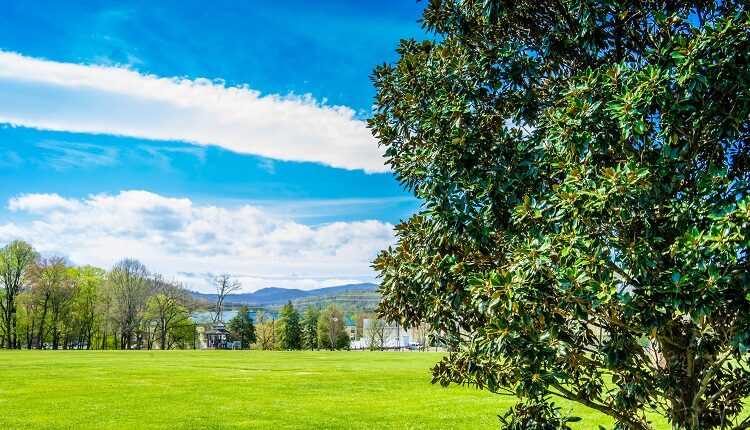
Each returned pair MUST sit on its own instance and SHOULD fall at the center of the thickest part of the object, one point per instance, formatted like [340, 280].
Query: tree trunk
[16, 343]
[40, 338]
[163, 342]
[679, 356]
[30, 333]
[55, 330]
[90, 329]
[7, 324]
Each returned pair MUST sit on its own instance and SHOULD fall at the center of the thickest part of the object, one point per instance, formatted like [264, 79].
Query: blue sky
[200, 139]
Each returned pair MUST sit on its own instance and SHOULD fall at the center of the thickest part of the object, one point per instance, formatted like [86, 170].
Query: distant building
[351, 328]
[390, 336]
[213, 335]
[386, 335]
[217, 337]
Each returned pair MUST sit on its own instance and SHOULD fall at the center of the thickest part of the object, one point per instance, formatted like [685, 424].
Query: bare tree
[15, 259]
[127, 290]
[422, 335]
[225, 285]
[376, 333]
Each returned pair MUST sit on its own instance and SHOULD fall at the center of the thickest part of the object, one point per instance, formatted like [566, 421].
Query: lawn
[237, 390]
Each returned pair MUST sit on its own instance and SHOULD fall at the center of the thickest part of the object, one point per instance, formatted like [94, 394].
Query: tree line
[310, 329]
[46, 302]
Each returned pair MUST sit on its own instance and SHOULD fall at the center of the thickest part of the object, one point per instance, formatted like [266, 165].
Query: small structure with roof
[217, 337]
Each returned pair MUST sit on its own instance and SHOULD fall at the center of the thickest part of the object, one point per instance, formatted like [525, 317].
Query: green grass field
[238, 390]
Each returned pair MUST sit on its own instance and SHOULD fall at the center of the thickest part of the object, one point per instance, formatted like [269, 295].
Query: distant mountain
[351, 301]
[274, 296]
[341, 288]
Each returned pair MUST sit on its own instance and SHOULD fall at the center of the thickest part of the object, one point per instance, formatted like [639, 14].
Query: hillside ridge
[272, 296]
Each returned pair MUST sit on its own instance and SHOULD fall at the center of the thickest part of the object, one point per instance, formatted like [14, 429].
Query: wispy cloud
[267, 165]
[9, 158]
[62, 155]
[179, 238]
[162, 156]
[110, 100]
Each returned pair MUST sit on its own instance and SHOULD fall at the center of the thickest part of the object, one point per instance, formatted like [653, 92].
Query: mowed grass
[239, 390]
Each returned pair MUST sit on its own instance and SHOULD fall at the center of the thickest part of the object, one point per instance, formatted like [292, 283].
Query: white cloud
[110, 100]
[41, 203]
[177, 238]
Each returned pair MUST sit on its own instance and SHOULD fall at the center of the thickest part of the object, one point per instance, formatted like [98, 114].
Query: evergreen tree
[310, 328]
[242, 323]
[288, 328]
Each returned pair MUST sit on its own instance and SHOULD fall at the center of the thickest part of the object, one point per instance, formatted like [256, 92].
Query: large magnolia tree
[584, 167]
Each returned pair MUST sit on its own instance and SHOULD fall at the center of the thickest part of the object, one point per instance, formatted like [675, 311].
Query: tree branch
[633, 422]
[705, 381]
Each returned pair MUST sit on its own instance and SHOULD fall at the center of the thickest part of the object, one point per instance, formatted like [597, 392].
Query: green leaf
[676, 277]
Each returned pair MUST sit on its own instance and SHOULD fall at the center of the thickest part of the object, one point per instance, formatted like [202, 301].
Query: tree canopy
[15, 260]
[310, 327]
[167, 309]
[584, 170]
[48, 302]
[289, 328]
[242, 324]
[331, 330]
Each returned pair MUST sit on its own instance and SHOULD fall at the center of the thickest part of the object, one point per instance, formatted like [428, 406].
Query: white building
[378, 334]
